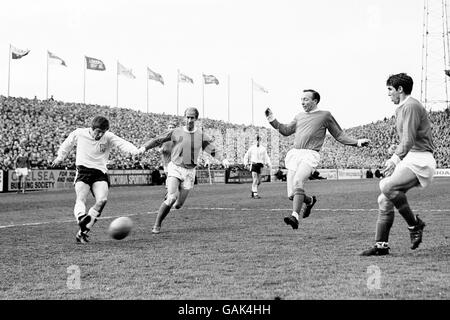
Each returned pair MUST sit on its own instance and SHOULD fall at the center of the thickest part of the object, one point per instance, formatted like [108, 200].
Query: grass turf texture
[224, 245]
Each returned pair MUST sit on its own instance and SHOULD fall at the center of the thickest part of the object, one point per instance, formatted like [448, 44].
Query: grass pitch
[224, 245]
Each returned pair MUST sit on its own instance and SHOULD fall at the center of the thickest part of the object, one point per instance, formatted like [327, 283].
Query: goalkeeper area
[224, 245]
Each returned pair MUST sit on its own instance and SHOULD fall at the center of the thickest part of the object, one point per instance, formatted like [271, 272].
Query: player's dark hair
[401, 80]
[194, 109]
[100, 122]
[258, 137]
[315, 94]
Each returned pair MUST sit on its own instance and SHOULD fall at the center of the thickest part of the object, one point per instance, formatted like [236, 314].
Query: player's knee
[384, 204]
[385, 187]
[171, 198]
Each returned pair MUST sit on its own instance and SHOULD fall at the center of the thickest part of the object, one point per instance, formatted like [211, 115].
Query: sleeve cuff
[395, 159]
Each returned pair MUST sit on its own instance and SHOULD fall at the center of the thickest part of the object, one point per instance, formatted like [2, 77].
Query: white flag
[55, 59]
[259, 87]
[121, 70]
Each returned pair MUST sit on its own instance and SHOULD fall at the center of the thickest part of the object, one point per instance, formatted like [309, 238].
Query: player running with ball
[187, 143]
[309, 128]
[94, 145]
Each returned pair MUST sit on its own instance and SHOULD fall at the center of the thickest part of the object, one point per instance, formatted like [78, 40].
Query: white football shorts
[22, 172]
[296, 156]
[423, 165]
[186, 176]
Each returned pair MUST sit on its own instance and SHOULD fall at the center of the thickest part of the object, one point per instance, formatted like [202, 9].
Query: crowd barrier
[63, 179]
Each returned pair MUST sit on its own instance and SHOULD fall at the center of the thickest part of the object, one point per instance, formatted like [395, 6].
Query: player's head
[172, 125]
[99, 126]
[191, 115]
[398, 84]
[310, 99]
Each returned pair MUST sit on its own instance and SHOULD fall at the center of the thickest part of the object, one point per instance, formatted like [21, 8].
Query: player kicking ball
[309, 127]
[94, 145]
[187, 142]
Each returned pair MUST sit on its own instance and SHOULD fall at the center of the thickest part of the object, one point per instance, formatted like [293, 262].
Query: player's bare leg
[81, 190]
[172, 196]
[395, 188]
[183, 194]
[301, 175]
[100, 191]
[290, 184]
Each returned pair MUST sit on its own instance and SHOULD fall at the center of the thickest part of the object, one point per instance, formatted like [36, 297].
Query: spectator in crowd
[23, 165]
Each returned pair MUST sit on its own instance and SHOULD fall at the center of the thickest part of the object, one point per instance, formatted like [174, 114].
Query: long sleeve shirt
[93, 153]
[310, 130]
[186, 145]
[257, 154]
[413, 128]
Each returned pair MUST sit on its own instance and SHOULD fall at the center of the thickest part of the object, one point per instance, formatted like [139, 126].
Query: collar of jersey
[404, 101]
[186, 130]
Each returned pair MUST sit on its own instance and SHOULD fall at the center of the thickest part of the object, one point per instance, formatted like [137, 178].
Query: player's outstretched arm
[285, 130]
[155, 142]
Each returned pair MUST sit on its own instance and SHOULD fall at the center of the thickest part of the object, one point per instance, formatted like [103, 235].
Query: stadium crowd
[40, 126]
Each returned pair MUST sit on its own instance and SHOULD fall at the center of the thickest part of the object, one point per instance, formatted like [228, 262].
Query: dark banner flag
[94, 64]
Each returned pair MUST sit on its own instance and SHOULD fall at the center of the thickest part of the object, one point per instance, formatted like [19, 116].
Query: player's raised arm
[65, 148]
[122, 144]
[284, 129]
[210, 148]
[337, 133]
[157, 141]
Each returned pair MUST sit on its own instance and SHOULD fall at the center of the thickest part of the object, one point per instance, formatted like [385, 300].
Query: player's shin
[94, 215]
[79, 210]
[299, 196]
[400, 202]
[385, 219]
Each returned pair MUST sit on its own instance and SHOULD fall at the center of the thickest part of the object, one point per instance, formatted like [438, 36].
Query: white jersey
[93, 153]
[257, 155]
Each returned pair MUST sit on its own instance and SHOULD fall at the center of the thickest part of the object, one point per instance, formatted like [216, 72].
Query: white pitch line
[200, 208]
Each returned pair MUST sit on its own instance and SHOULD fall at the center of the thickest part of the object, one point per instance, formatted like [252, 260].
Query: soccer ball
[120, 228]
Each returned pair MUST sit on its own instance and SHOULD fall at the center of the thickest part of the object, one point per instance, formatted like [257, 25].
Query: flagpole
[84, 82]
[9, 67]
[117, 85]
[178, 88]
[147, 89]
[46, 95]
[252, 101]
[228, 98]
[203, 97]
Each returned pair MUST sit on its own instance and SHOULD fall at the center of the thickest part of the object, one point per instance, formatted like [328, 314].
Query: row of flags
[98, 65]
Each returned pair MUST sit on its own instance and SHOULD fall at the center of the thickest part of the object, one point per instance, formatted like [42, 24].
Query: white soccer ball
[120, 228]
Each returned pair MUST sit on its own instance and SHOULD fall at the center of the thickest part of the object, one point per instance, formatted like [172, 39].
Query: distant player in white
[22, 165]
[310, 128]
[187, 142]
[256, 157]
[94, 145]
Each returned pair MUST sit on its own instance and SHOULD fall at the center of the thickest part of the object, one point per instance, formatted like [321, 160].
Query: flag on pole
[94, 64]
[55, 59]
[18, 53]
[259, 87]
[209, 79]
[121, 70]
[184, 78]
[154, 76]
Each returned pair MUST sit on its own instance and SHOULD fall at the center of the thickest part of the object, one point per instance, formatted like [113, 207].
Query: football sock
[403, 208]
[295, 214]
[162, 213]
[94, 214]
[79, 210]
[383, 227]
[299, 196]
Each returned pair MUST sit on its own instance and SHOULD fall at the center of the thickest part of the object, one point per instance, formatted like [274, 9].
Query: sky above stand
[344, 49]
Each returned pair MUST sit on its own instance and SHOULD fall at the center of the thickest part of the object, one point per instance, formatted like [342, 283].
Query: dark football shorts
[90, 176]
[256, 167]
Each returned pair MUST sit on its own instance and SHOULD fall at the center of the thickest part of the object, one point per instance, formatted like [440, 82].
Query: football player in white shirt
[94, 145]
[256, 157]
